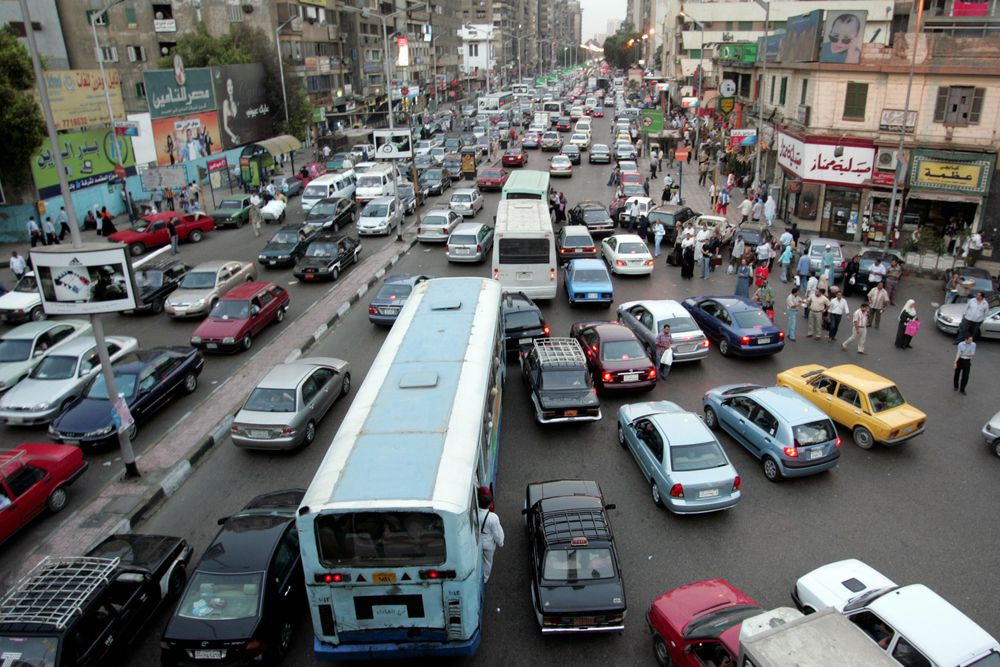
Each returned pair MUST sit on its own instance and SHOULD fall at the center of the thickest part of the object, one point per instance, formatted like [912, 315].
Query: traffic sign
[681, 154]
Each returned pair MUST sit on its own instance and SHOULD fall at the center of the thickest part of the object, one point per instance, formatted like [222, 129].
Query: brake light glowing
[579, 542]
[332, 578]
[677, 491]
[837, 442]
[606, 377]
[652, 374]
[564, 251]
[372, 310]
[650, 262]
[704, 343]
[619, 262]
[781, 335]
[791, 452]
[737, 483]
[546, 329]
[745, 340]
[437, 574]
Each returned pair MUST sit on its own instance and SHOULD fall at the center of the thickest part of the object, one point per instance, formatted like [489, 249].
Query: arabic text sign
[77, 97]
[818, 162]
[244, 113]
[971, 176]
[168, 97]
[737, 136]
[88, 157]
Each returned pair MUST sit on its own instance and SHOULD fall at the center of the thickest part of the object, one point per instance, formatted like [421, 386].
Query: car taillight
[564, 251]
[552, 274]
[607, 377]
[704, 343]
[619, 262]
[331, 578]
[254, 648]
[287, 430]
[496, 273]
[781, 335]
[791, 452]
[650, 262]
[836, 443]
[745, 340]
[677, 491]
[651, 375]
[372, 310]
[843, 264]
[479, 248]
[418, 230]
[737, 483]
[546, 329]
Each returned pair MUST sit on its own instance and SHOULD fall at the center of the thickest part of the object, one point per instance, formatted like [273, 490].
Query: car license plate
[763, 341]
[259, 434]
[384, 577]
[570, 413]
[816, 454]
[524, 275]
[524, 341]
[907, 429]
[272, 262]
[71, 442]
[583, 620]
[309, 276]
[212, 346]
[390, 311]
[630, 377]
[708, 493]
[591, 295]
[462, 251]
[15, 420]
[209, 654]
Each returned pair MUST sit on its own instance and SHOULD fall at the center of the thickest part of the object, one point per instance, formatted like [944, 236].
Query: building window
[745, 26]
[136, 54]
[109, 54]
[166, 48]
[140, 90]
[959, 105]
[784, 90]
[130, 20]
[235, 13]
[96, 17]
[473, 50]
[18, 27]
[804, 91]
[770, 92]
[855, 101]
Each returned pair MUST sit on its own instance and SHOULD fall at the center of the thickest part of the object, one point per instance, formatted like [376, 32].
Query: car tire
[310, 434]
[621, 436]
[280, 315]
[654, 492]
[724, 347]
[863, 438]
[156, 307]
[57, 500]
[37, 314]
[133, 431]
[711, 418]
[660, 651]
[178, 578]
[195, 236]
[283, 641]
[345, 386]
[335, 273]
[190, 383]
[771, 470]
[996, 447]
[136, 249]
[247, 341]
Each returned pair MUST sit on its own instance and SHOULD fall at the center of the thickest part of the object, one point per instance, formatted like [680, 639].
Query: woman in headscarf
[908, 313]
[743, 279]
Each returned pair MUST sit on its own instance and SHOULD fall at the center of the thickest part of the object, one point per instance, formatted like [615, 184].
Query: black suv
[576, 581]
[555, 372]
[522, 322]
[594, 216]
[78, 612]
[672, 216]
[156, 280]
[327, 256]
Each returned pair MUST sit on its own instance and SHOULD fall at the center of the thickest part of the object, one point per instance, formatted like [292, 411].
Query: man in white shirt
[490, 531]
[974, 249]
[17, 265]
[786, 238]
[972, 319]
[668, 181]
[876, 274]
[745, 207]
[838, 309]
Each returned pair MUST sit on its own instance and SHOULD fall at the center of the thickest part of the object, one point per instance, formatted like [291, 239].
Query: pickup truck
[151, 231]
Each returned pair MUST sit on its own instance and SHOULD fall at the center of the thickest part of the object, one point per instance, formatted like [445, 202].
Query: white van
[524, 251]
[339, 184]
[379, 181]
[583, 126]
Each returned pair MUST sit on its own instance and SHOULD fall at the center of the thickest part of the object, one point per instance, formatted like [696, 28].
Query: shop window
[959, 105]
[855, 101]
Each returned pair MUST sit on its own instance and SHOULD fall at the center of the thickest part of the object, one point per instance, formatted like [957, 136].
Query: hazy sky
[596, 14]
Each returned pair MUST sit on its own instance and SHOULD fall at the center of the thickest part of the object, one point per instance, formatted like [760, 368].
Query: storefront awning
[937, 195]
[284, 143]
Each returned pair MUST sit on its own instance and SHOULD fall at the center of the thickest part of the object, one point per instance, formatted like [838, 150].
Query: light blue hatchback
[687, 470]
[790, 436]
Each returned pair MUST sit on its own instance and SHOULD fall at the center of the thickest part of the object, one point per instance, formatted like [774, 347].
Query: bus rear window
[366, 539]
[524, 251]
[523, 195]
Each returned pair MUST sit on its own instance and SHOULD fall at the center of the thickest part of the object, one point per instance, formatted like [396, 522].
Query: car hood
[125, 236]
[19, 300]
[30, 392]
[277, 249]
[85, 415]
[606, 595]
[826, 585]
[189, 295]
[951, 311]
[10, 371]
[218, 328]
[554, 399]
[224, 212]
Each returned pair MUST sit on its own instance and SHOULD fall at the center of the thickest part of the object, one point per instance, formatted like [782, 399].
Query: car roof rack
[56, 589]
[560, 351]
[564, 525]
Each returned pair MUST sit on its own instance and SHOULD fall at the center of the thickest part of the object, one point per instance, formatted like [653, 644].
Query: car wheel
[37, 314]
[157, 307]
[863, 437]
[247, 342]
[654, 491]
[57, 500]
[335, 273]
[195, 236]
[280, 315]
[283, 641]
[133, 431]
[661, 651]
[711, 419]
[310, 434]
[175, 585]
[345, 386]
[771, 470]
[724, 347]
[996, 447]
[621, 436]
[137, 249]
[190, 383]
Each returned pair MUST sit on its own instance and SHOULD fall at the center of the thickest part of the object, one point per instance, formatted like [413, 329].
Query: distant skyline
[596, 14]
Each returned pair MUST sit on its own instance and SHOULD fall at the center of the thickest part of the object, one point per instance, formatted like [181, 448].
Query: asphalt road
[911, 511]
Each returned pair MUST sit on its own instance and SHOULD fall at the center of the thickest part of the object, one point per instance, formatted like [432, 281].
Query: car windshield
[434, 221]
[886, 399]
[632, 249]
[632, 190]
[231, 309]
[125, 383]
[678, 324]
[560, 161]
[143, 225]
[323, 209]
[595, 215]
[590, 276]
[461, 198]
[752, 319]
[702, 456]
[393, 292]
[14, 349]
[713, 624]
[375, 211]
[28, 650]
[405, 191]
[623, 350]
[216, 596]
[369, 181]
[231, 203]
[284, 237]
[490, 173]
[199, 280]
[598, 148]
[565, 379]
[522, 319]
[56, 367]
[817, 250]
[814, 433]
[432, 175]
[314, 191]
[149, 278]
[575, 564]
[27, 284]
[578, 242]
[320, 250]
[369, 538]
[462, 239]
[263, 399]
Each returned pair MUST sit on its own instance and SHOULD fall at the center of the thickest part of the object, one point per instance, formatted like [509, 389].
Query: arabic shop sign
[821, 162]
[87, 157]
[952, 171]
[179, 91]
[77, 97]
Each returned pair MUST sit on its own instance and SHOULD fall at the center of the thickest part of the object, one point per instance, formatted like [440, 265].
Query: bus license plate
[580, 621]
[524, 275]
[631, 377]
[384, 577]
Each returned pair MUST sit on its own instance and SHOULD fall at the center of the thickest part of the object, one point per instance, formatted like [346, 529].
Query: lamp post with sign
[763, 92]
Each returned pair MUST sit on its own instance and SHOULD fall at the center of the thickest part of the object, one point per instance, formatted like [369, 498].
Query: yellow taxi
[868, 404]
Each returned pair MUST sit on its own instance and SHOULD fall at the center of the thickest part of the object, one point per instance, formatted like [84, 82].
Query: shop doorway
[841, 213]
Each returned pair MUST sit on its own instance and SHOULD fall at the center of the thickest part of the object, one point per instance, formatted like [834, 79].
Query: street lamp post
[281, 73]
[701, 84]
[107, 95]
[763, 93]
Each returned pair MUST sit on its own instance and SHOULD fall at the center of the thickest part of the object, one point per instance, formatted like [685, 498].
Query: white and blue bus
[388, 528]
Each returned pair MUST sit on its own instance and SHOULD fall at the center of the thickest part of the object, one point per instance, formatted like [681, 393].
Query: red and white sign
[220, 164]
[737, 136]
[821, 162]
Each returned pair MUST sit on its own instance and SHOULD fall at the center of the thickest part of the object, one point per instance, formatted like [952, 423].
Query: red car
[240, 315]
[699, 624]
[632, 177]
[492, 178]
[151, 230]
[597, 112]
[615, 357]
[310, 171]
[33, 478]
[514, 157]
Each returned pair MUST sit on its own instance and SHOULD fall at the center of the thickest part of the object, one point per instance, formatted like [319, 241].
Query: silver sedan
[284, 408]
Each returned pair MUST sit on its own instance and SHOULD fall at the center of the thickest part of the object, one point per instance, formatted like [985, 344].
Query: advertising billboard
[393, 144]
[88, 157]
[179, 91]
[842, 39]
[829, 163]
[244, 114]
[186, 138]
[77, 97]
[96, 278]
[802, 35]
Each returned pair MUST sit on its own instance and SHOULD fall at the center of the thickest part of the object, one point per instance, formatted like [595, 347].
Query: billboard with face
[842, 39]
[186, 138]
[244, 114]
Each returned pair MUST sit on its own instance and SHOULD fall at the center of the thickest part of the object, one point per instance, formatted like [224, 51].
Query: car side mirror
[222, 521]
[255, 311]
[610, 506]
[524, 511]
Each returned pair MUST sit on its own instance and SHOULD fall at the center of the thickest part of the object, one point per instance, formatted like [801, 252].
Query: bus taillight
[437, 574]
[332, 578]
[552, 274]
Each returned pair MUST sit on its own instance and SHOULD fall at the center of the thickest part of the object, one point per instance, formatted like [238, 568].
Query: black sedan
[453, 166]
[287, 245]
[576, 579]
[148, 379]
[327, 256]
[331, 213]
[435, 180]
[594, 216]
[240, 605]
[572, 152]
[156, 280]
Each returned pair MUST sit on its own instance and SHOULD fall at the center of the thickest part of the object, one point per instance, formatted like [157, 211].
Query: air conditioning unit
[886, 159]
